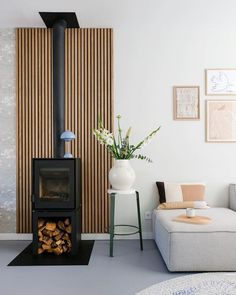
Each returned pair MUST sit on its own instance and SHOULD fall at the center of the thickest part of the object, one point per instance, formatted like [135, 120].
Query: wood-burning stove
[56, 182]
[57, 205]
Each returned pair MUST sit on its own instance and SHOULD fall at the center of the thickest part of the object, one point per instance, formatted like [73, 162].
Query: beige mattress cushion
[223, 220]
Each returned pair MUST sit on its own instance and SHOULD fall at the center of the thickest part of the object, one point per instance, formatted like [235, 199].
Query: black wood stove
[57, 182]
[57, 205]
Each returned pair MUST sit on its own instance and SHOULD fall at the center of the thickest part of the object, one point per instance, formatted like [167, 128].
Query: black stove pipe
[59, 86]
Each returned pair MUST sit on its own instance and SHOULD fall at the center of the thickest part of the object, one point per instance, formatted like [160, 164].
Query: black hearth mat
[26, 257]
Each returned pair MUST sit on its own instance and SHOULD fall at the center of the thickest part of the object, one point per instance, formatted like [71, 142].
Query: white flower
[109, 141]
[105, 135]
[105, 131]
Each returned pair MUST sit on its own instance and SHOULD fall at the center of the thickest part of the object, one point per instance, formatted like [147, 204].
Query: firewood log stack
[54, 237]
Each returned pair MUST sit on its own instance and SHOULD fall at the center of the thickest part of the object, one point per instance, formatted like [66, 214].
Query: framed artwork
[221, 120]
[186, 102]
[220, 81]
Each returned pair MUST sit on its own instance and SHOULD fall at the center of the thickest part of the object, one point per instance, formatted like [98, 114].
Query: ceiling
[24, 13]
[132, 15]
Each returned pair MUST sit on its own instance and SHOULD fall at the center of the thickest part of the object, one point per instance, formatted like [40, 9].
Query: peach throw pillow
[193, 192]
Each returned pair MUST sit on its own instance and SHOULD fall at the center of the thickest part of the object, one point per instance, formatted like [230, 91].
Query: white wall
[7, 131]
[158, 44]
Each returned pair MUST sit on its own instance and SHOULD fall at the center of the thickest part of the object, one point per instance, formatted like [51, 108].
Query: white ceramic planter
[122, 175]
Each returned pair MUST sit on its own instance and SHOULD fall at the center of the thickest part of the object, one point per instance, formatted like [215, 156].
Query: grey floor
[129, 271]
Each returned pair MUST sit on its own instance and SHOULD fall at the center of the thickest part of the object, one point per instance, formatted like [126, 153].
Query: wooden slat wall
[34, 109]
[89, 94]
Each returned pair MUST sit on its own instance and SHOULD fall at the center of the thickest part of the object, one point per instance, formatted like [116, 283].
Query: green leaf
[142, 157]
[100, 124]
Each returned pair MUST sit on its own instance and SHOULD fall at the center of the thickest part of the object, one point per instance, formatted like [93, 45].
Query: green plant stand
[113, 194]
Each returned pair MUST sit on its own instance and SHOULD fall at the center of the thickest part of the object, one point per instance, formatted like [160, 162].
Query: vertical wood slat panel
[89, 96]
[93, 99]
[34, 113]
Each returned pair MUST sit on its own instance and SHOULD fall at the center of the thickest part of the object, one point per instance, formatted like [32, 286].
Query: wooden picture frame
[220, 81]
[186, 102]
[220, 121]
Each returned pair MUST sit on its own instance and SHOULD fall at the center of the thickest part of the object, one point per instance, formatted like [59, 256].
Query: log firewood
[59, 242]
[56, 232]
[58, 250]
[61, 225]
[46, 240]
[41, 228]
[69, 244]
[47, 233]
[46, 247]
[40, 233]
[54, 244]
[58, 237]
[65, 237]
[65, 248]
[62, 242]
[51, 226]
[41, 222]
[40, 250]
[67, 221]
[69, 229]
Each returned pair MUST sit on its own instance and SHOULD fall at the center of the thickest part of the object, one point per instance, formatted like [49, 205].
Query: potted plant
[122, 175]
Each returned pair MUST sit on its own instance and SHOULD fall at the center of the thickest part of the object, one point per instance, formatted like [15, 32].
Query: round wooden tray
[193, 220]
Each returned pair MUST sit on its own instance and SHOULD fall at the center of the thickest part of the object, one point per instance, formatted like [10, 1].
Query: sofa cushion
[192, 247]
[161, 191]
[193, 192]
[177, 192]
[173, 192]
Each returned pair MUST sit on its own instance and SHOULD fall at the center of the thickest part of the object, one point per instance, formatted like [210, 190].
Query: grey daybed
[188, 247]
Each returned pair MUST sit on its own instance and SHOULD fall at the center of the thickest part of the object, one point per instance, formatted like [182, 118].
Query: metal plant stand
[113, 194]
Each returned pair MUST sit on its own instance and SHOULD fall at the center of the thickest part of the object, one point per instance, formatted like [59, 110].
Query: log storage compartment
[54, 236]
[57, 221]
[56, 232]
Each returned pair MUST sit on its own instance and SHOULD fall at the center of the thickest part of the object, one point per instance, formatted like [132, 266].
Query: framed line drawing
[220, 81]
[221, 121]
[186, 102]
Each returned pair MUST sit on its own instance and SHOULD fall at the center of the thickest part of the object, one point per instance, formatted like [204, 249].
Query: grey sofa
[188, 247]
